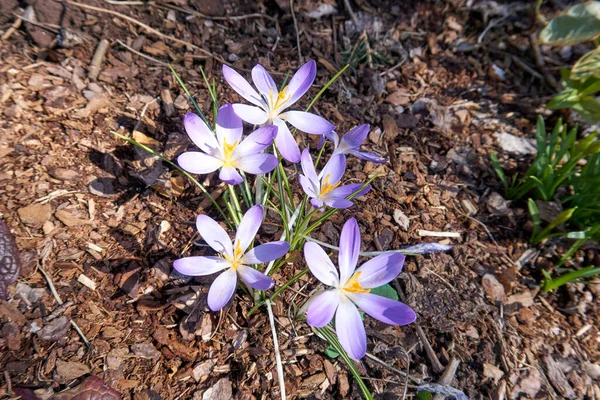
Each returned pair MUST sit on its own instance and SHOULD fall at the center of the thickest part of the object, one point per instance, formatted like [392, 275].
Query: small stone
[202, 370]
[592, 370]
[35, 215]
[497, 205]
[222, 390]
[515, 145]
[493, 288]
[401, 219]
[55, 330]
[66, 371]
[145, 350]
[181, 102]
[63, 174]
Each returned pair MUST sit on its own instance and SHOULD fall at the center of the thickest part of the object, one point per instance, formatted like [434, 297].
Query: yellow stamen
[236, 260]
[228, 150]
[280, 100]
[354, 286]
[327, 187]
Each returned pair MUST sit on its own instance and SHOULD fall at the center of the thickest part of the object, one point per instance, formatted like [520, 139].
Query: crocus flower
[350, 143]
[234, 258]
[270, 104]
[227, 150]
[351, 289]
[325, 188]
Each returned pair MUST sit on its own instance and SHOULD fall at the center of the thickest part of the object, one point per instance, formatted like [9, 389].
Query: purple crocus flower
[351, 289]
[233, 257]
[325, 188]
[350, 143]
[227, 150]
[270, 104]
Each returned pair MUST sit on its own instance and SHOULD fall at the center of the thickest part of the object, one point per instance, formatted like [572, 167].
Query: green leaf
[586, 66]
[535, 216]
[498, 169]
[589, 109]
[331, 353]
[565, 99]
[423, 395]
[386, 291]
[579, 24]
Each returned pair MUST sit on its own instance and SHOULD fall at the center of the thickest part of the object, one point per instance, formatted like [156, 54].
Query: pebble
[35, 215]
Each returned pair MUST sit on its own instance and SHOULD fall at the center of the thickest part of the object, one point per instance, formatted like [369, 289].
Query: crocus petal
[322, 308]
[386, 310]
[214, 235]
[285, 142]
[301, 82]
[222, 289]
[380, 270]
[263, 81]
[257, 163]
[256, 142]
[316, 203]
[355, 137]
[200, 266]
[251, 114]
[349, 249]
[308, 122]
[346, 190]
[198, 163]
[229, 126]
[308, 186]
[308, 167]
[350, 330]
[230, 175]
[335, 168]
[372, 157]
[266, 252]
[200, 134]
[255, 279]
[334, 137]
[240, 85]
[246, 231]
[320, 265]
[337, 202]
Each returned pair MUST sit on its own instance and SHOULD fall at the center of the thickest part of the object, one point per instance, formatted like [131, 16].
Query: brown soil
[105, 221]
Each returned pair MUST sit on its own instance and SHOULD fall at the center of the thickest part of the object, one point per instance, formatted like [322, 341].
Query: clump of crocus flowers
[224, 148]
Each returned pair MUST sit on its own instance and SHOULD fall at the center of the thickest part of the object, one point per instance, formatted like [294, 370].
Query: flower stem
[185, 89]
[279, 290]
[334, 342]
[237, 212]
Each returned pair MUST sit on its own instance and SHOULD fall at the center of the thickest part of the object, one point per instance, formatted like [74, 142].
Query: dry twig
[541, 64]
[297, 33]
[147, 28]
[139, 53]
[94, 70]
